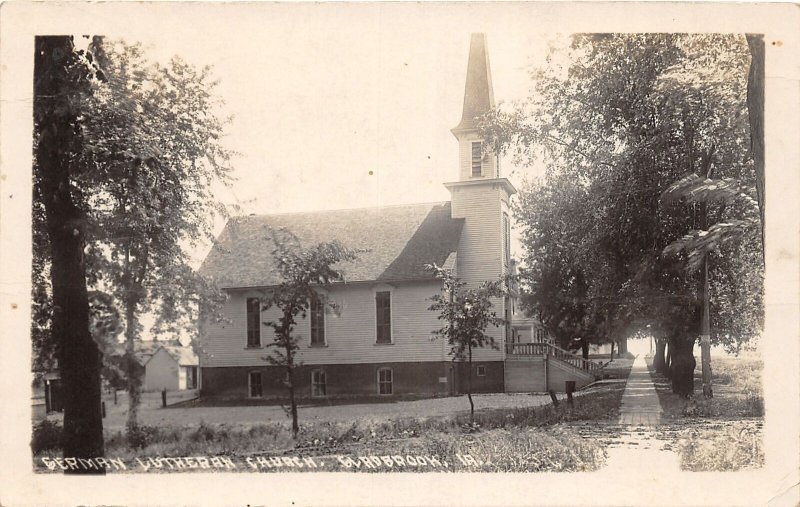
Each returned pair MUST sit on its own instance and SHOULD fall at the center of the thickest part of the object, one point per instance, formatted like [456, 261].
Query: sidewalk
[638, 452]
[640, 404]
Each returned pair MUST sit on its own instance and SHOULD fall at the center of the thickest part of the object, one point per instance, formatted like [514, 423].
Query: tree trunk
[132, 369]
[659, 360]
[612, 350]
[622, 348]
[292, 401]
[683, 364]
[668, 360]
[585, 348]
[755, 110]
[469, 387]
[79, 357]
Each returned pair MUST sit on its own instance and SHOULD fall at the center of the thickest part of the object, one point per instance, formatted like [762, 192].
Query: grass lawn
[722, 433]
[523, 437]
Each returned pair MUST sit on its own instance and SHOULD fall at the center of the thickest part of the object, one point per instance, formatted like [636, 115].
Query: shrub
[735, 448]
[143, 435]
[46, 436]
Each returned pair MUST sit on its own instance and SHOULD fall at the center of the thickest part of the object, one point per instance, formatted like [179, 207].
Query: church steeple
[478, 92]
[475, 160]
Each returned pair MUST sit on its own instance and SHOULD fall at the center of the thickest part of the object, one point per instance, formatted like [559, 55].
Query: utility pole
[705, 336]
[705, 321]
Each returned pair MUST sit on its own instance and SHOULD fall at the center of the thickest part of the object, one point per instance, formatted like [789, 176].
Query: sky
[348, 107]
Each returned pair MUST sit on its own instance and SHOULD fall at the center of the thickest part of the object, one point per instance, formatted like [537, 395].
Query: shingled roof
[399, 241]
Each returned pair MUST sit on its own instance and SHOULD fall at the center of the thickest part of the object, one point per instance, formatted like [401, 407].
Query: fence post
[570, 388]
[163, 397]
[553, 397]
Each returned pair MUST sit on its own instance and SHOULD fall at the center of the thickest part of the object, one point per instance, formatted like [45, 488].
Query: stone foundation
[353, 380]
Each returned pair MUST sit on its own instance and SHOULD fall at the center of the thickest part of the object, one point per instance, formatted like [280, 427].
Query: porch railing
[527, 349]
[548, 349]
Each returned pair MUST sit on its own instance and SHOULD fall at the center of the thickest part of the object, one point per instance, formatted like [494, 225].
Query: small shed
[171, 368]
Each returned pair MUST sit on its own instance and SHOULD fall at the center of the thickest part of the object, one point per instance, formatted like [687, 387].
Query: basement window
[481, 371]
[385, 381]
[319, 387]
[254, 384]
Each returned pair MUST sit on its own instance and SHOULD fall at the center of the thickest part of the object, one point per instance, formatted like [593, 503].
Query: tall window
[383, 316]
[385, 381]
[254, 383]
[253, 322]
[318, 383]
[477, 159]
[506, 239]
[317, 318]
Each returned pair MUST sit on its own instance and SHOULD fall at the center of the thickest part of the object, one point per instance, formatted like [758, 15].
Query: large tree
[626, 117]
[150, 155]
[61, 77]
[155, 147]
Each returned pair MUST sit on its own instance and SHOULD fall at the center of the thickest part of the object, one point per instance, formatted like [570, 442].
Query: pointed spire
[478, 93]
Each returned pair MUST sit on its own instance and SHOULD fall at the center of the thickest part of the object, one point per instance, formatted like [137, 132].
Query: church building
[380, 342]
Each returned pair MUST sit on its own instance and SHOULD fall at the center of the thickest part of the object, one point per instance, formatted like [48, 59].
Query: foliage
[304, 271]
[465, 314]
[150, 158]
[737, 393]
[736, 447]
[699, 243]
[62, 77]
[47, 435]
[521, 435]
[625, 118]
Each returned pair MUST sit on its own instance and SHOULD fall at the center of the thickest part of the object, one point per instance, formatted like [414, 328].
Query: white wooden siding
[480, 249]
[161, 372]
[350, 335]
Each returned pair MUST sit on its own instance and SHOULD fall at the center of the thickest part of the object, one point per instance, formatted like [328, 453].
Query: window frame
[250, 384]
[377, 324]
[315, 374]
[192, 376]
[478, 369]
[473, 159]
[256, 344]
[390, 382]
[324, 329]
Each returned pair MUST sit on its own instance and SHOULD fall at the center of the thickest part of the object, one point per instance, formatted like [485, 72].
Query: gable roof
[399, 241]
[184, 356]
[144, 350]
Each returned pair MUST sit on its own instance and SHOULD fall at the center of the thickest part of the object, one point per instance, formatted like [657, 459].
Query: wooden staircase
[543, 366]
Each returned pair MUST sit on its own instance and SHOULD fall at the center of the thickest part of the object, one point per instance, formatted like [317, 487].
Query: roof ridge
[386, 206]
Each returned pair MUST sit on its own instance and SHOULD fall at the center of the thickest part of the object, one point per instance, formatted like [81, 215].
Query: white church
[380, 343]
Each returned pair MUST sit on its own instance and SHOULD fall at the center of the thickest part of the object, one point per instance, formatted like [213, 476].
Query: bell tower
[480, 196]
[475, 159]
